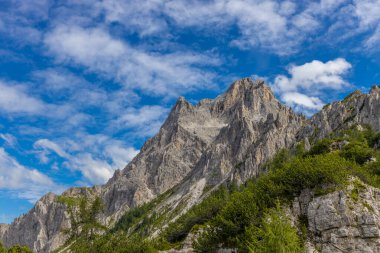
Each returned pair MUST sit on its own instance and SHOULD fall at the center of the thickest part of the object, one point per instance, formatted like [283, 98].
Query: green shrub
[197, 215]
[321, 147]
[120, 243]
[15, 249]
[374, 167]
[275, 234]
[357, 151]
[131, 217]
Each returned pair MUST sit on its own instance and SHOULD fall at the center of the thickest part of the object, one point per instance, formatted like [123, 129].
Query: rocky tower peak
[356, 108]
[245, 92]
[374, 89]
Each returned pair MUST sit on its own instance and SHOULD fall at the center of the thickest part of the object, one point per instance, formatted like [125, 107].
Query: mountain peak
[244, 91]
[374, 89]
[246, 83]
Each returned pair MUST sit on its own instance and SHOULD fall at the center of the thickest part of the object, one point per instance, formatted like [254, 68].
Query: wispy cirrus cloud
[95, 156]
[24, 182]
[14, 98]
[144, 121]
[150, 73]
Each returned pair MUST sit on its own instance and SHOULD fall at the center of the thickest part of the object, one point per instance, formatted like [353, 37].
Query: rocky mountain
[355, 108]
[198, 147]
[340, 222]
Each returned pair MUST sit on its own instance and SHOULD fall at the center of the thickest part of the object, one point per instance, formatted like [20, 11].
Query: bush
[275, 234]
[131, 217]
[357, 151]
[197, 215]
[15, 249]
[120, 243]
[321, 147]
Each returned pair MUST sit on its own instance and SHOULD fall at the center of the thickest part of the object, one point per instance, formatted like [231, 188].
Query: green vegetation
[245, 208]
[85, 227]
[248, 217]
[15, 249]
[275, 235]
[197, 215]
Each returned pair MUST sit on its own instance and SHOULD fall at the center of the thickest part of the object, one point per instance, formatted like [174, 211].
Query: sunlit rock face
[337, 222]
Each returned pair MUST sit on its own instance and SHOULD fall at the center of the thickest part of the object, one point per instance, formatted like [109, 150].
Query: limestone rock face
[198, 147]
[256, 126]
[338, 222]
[357, 108]
[40, 228]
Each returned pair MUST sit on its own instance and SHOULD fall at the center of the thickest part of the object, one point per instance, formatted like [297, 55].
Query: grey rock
[338, 223]
[356, 108]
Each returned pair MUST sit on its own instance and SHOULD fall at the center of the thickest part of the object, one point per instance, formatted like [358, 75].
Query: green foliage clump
[131, 217]
[282, 157]
[85, 227]
[358, 187]
[197, 215]
[276, 234]
[117, 242]
[15, 249]
[321, 147]
[357, 151]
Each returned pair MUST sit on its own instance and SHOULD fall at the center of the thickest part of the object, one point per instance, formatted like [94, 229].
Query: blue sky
[83, 83]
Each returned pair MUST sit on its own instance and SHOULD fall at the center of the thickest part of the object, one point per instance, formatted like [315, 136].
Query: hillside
[195, 172]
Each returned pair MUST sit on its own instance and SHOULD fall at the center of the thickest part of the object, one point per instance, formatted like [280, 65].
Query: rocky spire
[375, 89]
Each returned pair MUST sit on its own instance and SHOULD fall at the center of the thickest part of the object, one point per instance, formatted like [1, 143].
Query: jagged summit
[375, 89]
[198, 147]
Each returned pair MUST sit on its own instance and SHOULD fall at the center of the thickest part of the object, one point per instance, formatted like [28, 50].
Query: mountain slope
[197, 148]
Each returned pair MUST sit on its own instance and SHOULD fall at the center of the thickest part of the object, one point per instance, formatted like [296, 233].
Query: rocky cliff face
[342, 221]
[198, 146]
[355, 108]
[40, 228]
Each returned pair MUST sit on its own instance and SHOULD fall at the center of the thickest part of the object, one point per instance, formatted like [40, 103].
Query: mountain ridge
[198, 147]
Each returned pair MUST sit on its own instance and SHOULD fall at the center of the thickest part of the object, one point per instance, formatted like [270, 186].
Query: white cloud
[97, 171]
[280, 26]
[15, 99]
[295, 99]
[141, 16]
[315, 75]
[368, 12]
[145, 120]
[9, 139]
[306, 82]
[152, 73]
[95, 156]
[119, 155]
[58, 81]
[45, 146]
[18, 100]
[27, 183]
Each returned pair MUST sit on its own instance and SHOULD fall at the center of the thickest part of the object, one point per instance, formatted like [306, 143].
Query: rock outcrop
[356, 108]
[342, 221]
[40, 228]
[197, 147]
